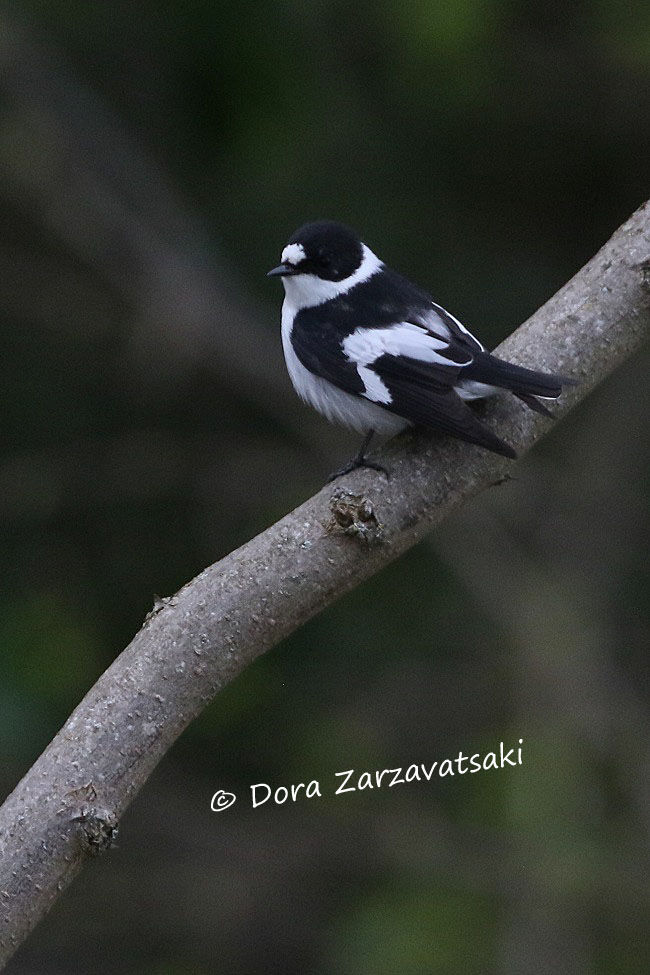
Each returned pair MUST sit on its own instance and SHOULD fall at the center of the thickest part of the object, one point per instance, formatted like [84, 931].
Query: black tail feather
[493, 371]
[534, 404]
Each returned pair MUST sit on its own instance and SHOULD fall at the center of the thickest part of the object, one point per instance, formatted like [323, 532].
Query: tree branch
[67, 806]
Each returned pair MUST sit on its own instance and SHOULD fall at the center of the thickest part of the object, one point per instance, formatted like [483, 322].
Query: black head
[327, 249]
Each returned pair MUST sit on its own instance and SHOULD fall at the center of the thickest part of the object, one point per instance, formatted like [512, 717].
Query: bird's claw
[355, 464]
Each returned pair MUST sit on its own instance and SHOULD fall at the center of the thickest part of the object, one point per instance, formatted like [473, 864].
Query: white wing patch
[375, 388]
[365, 345]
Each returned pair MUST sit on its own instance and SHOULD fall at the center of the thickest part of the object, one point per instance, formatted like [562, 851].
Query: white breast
[334, 403]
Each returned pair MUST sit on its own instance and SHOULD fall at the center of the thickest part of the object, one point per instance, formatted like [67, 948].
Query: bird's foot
[355, 464]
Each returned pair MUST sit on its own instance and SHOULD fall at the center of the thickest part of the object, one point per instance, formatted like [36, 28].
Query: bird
[372, 351]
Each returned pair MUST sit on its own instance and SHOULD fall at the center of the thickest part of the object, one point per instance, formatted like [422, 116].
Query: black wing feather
[419, 396]
[322, 355]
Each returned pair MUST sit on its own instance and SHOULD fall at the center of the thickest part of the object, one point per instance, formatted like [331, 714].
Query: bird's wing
[419, 350]
[408, 367]
[417, 394]
[411, 368]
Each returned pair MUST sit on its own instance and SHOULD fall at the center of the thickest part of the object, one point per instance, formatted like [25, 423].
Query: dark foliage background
[153, 160]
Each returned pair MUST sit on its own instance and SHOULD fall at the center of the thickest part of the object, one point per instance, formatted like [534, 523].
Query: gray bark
[68, 805]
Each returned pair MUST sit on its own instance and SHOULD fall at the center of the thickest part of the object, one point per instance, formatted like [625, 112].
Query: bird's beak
[282, 270]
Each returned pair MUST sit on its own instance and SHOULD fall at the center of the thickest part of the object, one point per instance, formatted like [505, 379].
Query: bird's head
[323, 260]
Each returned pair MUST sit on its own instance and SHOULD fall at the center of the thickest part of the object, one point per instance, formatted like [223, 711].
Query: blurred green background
[154, 158]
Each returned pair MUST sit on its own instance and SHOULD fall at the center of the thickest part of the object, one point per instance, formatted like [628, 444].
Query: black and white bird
[369, 349]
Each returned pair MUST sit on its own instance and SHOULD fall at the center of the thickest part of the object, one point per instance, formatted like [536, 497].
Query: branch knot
[98, 825]
[354, 515]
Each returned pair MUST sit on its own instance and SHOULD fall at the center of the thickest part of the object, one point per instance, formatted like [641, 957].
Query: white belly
[334, 403]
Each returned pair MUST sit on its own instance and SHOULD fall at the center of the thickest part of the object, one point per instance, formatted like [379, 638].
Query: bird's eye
[324, 261]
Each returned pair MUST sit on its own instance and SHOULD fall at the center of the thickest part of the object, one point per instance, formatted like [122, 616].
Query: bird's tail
[526, 384]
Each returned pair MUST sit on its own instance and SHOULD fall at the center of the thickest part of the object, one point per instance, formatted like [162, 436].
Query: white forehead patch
[293, 254]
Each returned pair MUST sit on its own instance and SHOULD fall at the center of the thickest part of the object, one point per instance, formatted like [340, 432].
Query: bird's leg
[360, 460]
